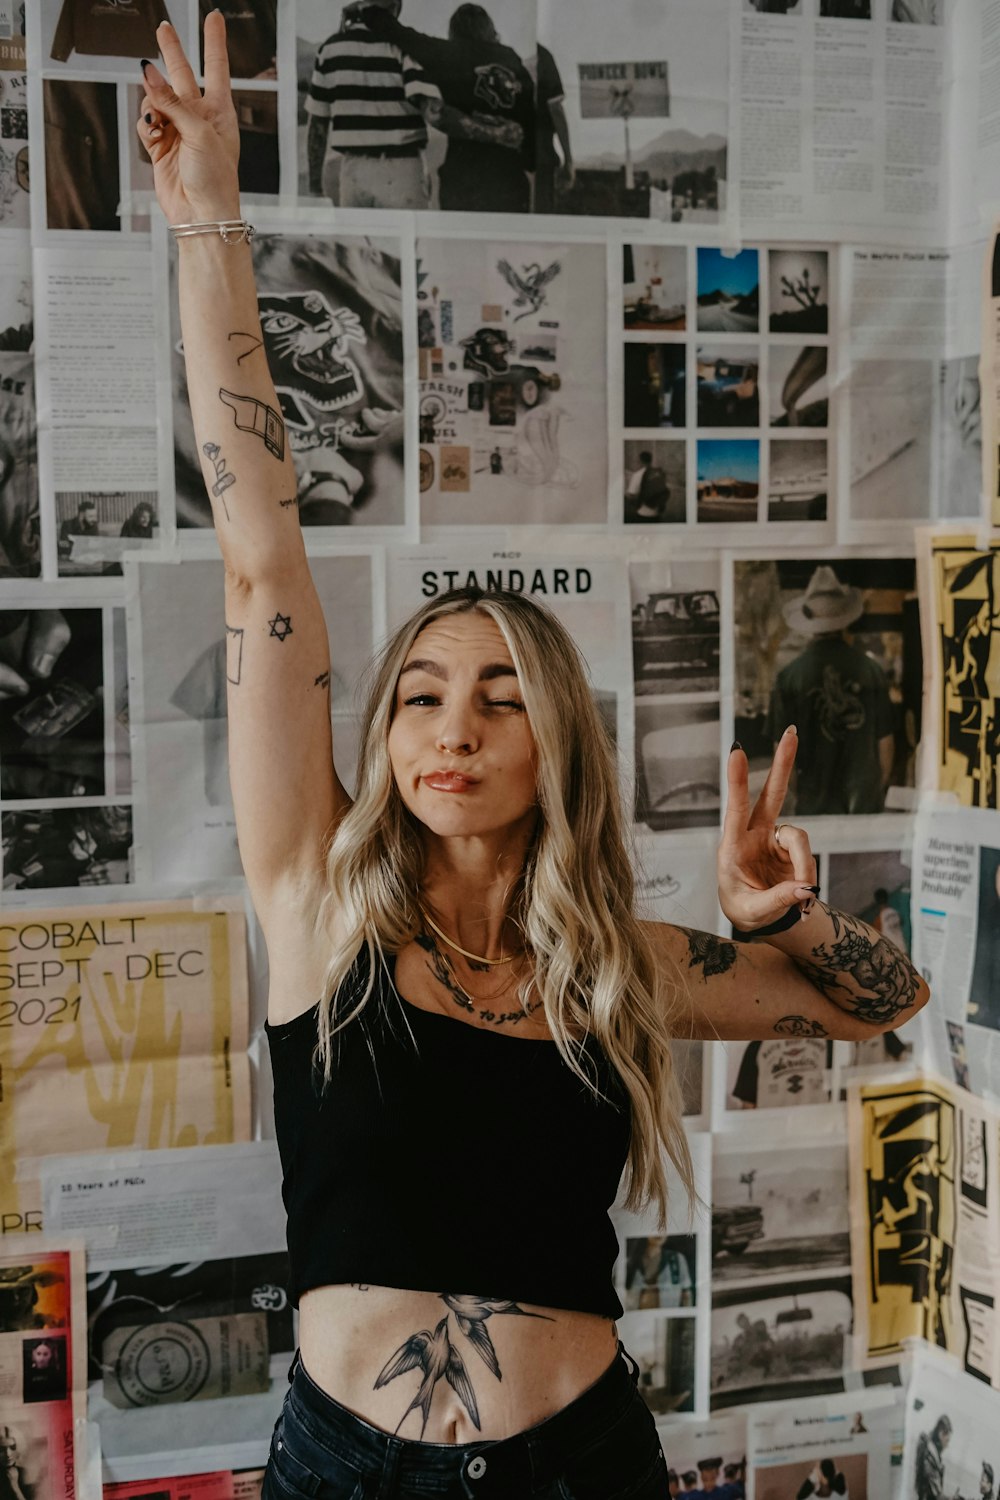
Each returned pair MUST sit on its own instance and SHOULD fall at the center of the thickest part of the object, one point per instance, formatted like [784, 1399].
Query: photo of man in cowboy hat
[838, 698]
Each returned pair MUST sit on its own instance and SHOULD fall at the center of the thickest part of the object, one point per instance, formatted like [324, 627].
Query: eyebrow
[488, 673]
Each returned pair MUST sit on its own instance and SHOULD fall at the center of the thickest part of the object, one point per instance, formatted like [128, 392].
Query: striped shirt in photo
[368, 89]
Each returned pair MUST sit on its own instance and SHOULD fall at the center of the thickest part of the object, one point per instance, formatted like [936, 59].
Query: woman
[496, 1049]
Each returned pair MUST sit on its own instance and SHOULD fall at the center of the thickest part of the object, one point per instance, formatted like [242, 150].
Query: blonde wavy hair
[595, 970]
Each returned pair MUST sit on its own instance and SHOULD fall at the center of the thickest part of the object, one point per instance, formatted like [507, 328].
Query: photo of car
[675, 642]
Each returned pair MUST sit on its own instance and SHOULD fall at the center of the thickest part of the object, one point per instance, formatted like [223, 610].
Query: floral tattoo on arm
[870, 977]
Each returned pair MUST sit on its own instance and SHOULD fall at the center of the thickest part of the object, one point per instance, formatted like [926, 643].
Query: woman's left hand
[764, 867]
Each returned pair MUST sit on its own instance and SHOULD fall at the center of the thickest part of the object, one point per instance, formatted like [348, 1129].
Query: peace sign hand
[192, 138]
[764, 868]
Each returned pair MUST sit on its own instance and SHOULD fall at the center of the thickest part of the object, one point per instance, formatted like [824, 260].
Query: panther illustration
[497, 85]
[308, 344]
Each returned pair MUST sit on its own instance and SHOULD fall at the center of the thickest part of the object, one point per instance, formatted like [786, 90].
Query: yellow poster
[120, 1026]
[966, 669]
[903, 1166]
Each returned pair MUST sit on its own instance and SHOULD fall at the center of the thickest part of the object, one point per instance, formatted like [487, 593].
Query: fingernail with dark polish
[144, 63]
[735, 746]
[814, 889]
[148, 119]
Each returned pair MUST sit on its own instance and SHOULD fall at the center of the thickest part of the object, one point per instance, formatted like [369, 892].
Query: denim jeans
[602, 1446]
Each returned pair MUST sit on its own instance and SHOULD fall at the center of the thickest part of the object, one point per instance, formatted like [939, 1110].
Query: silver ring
[777, 834]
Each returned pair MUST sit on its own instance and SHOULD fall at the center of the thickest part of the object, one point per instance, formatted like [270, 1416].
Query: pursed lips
[449, 781]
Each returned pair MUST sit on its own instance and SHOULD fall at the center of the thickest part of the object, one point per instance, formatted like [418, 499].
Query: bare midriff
[521, 1363]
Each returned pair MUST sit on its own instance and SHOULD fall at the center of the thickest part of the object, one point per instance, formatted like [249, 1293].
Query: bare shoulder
[300, 933]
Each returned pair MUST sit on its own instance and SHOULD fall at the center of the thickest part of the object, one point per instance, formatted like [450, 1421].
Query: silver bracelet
[232, 231]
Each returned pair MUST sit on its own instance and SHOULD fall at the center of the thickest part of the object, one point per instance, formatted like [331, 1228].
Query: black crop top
[472, 1162]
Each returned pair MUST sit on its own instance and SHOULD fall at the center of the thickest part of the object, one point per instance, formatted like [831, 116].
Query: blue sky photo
[729, 458]
[734, 274]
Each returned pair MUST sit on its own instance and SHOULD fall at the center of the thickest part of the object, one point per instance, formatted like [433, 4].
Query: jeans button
[477, 1467]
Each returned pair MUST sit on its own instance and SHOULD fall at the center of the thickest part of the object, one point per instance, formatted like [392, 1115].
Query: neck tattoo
[440, 967]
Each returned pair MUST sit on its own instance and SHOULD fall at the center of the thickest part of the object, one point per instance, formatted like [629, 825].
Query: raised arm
[285, 791]
[800, 968]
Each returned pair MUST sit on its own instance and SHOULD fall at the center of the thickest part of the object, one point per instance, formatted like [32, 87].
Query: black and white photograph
[779, 1210]
[773, 7]
[332, 318]
[780, 1072]
[20, 529]
[660, 1272]
[25, 1445]
[797, 386]
[728, 480]
[984, 990]
[833, 648]
[127, 1298]
[56, 848]
[655, 385]
[798, 291]
[655, 482]
[94, 529]
[918, 12]
[426, 105]
[728, 291]
[677, 765]
[92, 36]
[15, 200]
[646, 104]
[655, 287]
[728, 388]
[57, 706]
[845, 10]
[798, 480]
[513, 421]
[960, 443]
[664, 1349]
[892, 415]
[82, 178]
[187, 657]
[950, 1446]
[251, 36]
[675, 627]
[771, 1344]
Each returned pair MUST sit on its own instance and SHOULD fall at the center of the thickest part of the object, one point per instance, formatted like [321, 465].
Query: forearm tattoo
[322, 681]
[255, 344]
[234, 654]
[713, 955]
[799, 1026]
[869, 977]
[435, 1354]
[223, 478]
[251, 415]
[281, 627]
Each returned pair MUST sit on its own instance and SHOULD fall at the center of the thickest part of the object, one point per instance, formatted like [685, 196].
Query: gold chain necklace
[490, 963]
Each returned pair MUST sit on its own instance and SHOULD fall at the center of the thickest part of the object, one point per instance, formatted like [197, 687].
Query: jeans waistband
[513, 1465]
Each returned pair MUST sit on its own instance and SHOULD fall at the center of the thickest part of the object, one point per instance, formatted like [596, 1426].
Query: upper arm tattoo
[884, 982]
[251, 415]
[713, 954]
[799, 1026]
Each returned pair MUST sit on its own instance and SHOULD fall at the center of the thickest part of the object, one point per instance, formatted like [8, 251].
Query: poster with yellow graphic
[904, 1218]
[965, 667]
[120, 1025]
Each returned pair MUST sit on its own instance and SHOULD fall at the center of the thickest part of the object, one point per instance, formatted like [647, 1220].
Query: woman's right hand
[192, 138]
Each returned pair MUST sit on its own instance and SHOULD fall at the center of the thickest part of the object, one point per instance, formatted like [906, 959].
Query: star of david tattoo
[281, 626]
